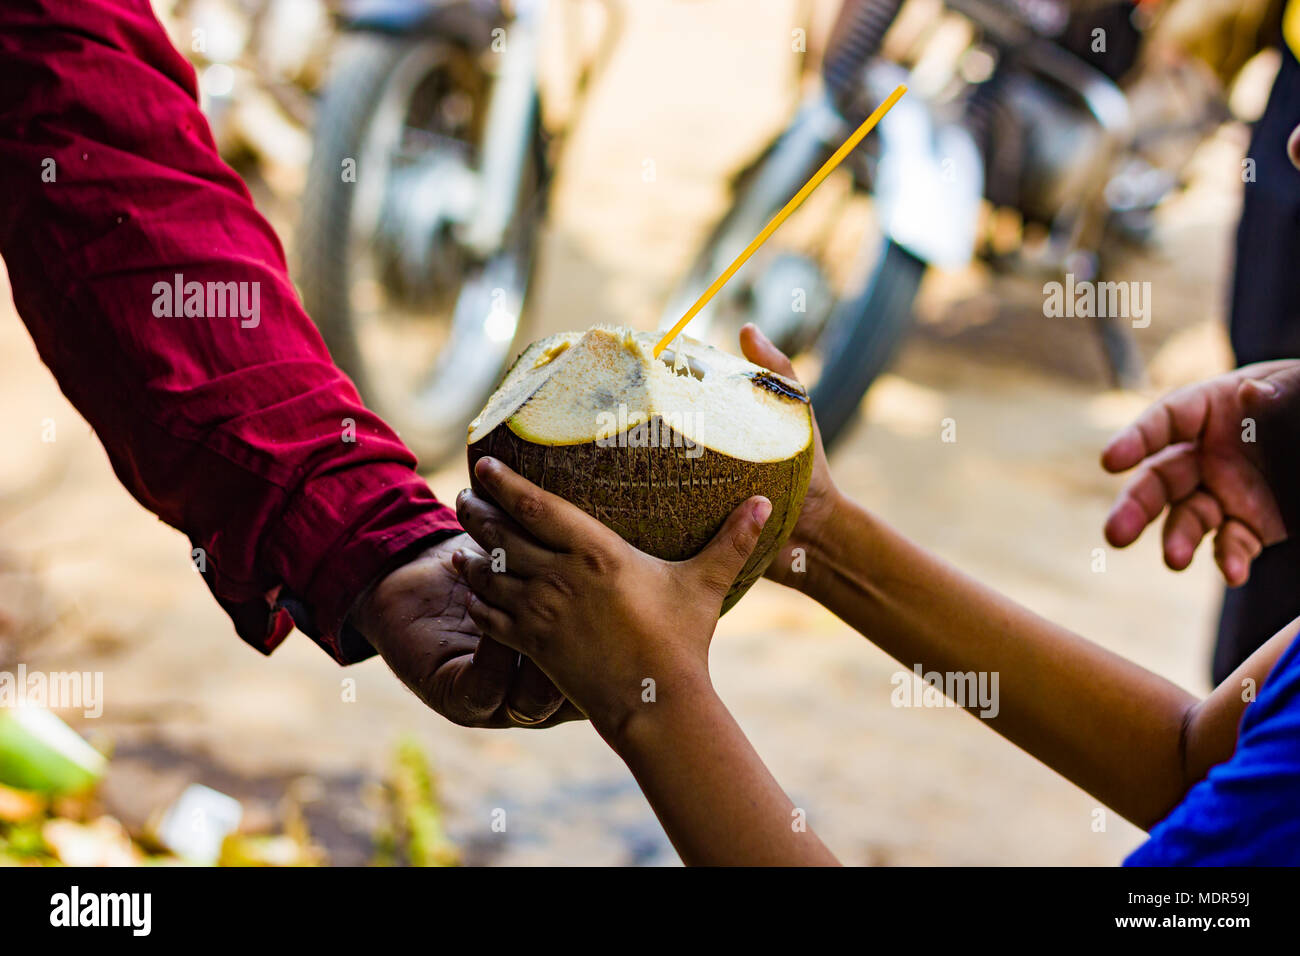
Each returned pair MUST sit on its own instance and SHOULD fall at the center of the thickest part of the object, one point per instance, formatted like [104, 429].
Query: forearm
[716, 800]
[160, 300]
[1108, 725]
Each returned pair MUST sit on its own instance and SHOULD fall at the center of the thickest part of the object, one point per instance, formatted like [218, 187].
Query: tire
[360, 80]
[359, 75]
[863, 337]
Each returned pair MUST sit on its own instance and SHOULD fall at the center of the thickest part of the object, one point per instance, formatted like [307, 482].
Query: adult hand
[1212, 455]
[417, 617]
[598, 616]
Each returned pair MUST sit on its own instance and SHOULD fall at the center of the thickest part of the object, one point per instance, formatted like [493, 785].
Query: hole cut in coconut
[660, 453]
[689, 365]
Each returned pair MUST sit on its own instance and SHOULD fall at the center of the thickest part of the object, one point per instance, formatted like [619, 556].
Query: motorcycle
[425, 196]
[425, 189]
[1014, 104]
[430, 170]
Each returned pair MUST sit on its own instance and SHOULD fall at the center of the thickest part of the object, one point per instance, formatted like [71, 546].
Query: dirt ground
[1018, 500]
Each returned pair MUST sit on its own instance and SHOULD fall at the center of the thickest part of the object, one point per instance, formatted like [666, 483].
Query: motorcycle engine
[1054, 151]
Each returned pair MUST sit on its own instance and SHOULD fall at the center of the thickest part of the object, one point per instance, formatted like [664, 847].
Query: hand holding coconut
[625, 636]
[606, 620]
[819, 501]
[660, 449]
[623, 633]
[613, 627]
[655, 475]
[417, 617]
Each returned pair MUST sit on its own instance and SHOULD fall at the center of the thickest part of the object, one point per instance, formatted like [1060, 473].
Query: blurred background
[455, 180]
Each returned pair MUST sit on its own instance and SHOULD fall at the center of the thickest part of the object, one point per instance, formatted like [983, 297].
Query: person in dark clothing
[1265, 325]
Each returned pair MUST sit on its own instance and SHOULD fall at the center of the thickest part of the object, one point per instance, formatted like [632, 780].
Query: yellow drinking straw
[849, 144]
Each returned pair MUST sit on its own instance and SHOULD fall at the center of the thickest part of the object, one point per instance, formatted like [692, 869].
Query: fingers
[759, 349]
[495, 662]
[1270, 397]
[532, 700]
[567, 711]
[496, 624]
[532, 697]
[1235, 547]
[549, 518]
[1269, 387]
[722, 559]
[495, 621]
[1178, 417]
[1189, 521]
[498, 534]
[496, 587]
[470, 688]
[1254, 392]
[1167, 478]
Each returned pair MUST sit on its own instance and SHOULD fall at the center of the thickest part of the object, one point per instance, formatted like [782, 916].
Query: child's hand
[610, 625]
[819, 502]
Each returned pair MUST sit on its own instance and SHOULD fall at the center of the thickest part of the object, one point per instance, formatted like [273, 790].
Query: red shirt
[229, 425]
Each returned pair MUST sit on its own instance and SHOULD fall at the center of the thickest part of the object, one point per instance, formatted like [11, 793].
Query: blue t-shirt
[1247, 809]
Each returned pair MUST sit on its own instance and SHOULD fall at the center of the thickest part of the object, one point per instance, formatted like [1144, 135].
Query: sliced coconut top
[579, 387]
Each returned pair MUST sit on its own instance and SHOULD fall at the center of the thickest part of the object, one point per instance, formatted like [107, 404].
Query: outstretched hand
[1205, 458]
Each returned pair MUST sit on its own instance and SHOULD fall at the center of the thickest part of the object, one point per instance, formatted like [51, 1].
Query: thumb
[1279, 384]
[720, 563]
[1256, 394]
[758, 348]
[1273, 402]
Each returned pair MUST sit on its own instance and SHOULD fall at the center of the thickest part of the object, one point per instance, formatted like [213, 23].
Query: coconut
[661, 450]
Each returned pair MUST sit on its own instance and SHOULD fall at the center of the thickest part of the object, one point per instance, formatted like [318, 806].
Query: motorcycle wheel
[854, 335]
[423, 330]
[860, 344]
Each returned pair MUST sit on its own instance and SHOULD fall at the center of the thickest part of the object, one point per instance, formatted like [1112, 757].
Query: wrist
[660, 709]
[822, 548]
[791, 567]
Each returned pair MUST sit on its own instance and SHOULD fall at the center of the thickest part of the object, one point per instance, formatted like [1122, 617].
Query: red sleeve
[225, 418]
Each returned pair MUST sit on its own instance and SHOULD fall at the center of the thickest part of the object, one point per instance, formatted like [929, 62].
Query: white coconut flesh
[580, 387]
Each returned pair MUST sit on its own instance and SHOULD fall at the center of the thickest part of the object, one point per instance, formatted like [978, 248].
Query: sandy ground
[1017, 500]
